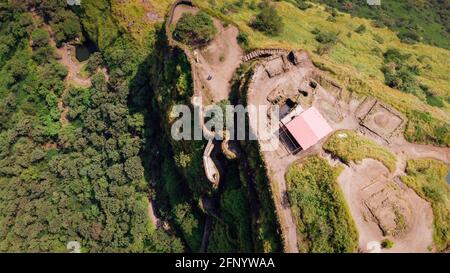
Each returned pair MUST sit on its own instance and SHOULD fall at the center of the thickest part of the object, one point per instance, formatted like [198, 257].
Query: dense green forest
[81, 181]
[81, 163]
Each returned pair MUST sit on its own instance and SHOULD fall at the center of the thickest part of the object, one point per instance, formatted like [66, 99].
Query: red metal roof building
[308, 128]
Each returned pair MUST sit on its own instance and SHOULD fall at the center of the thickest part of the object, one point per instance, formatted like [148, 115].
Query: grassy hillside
[324, 222]
[427, 178]
[425, 20]
[356, 59]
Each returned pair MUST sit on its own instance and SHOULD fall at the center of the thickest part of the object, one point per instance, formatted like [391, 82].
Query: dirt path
[220, 59]
[361, 182]
[182, 9]
[215, 64]
[405, 150]
[151, 213]
[66, 58]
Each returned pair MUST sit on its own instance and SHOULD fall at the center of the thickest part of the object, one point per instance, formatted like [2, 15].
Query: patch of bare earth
[383, 207]
[217, 62]
[182, 9]
[152, 215]
[67, 58]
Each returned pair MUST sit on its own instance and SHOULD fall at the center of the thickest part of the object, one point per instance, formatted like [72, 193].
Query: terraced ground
[356, 59]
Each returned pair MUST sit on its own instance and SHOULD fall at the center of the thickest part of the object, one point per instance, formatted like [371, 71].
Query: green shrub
[252, 5]
[331, 19]
[378, 39]
[242, 39]
[377, 51]
[409, 37]
[268, 21]
[361, 29]
[66, 26]
[94, 62]
[393, 55]
[239, 3]
[40, 38]
[195, 30]
[388, 244]
[326, 37]
[435, 101]
[301, 4]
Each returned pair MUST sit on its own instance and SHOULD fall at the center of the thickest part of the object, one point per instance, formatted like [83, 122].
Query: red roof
[309, 128]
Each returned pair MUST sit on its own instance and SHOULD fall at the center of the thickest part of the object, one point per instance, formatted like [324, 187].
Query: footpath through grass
[350, 146]
[324, 222]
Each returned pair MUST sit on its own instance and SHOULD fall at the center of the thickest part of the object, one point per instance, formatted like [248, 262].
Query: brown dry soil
[219, 59]
[375, 197]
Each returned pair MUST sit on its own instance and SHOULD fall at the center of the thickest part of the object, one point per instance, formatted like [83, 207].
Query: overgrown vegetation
[387, 244]
[268, 20]
[326, 39]
[349, 146]
[324, 222]
[423, 128]
[195, 29]
[414, 21]
[81, 180]
[398, 74]
[427, 178]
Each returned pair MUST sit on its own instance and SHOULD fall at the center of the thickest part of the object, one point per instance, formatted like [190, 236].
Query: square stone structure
[388, 208]
[382, 120]
[274, 67]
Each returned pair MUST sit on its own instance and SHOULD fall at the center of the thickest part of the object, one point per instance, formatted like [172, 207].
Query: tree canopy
[195, 29]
